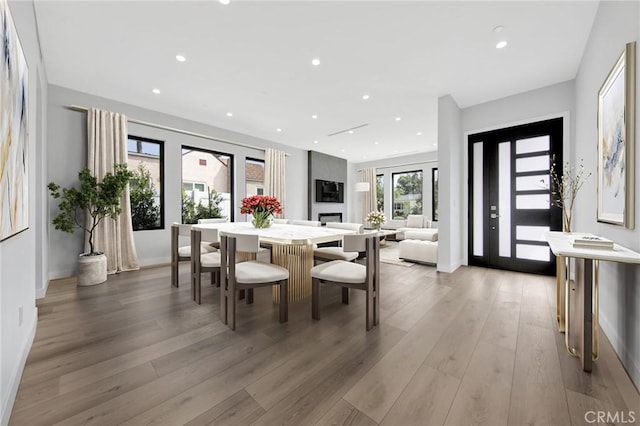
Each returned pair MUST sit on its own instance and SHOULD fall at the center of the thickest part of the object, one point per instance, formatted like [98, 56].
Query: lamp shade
[362, 187]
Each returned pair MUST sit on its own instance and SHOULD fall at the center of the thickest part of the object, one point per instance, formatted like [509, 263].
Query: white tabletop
[282, 233]
[561, 244]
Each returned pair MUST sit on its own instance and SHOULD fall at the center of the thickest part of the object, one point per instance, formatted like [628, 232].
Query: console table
[587, 262]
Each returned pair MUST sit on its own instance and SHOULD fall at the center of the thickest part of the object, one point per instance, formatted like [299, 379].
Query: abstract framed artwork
[616, 142]
[14, 183]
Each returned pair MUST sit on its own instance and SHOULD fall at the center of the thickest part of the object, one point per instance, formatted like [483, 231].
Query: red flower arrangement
[260, 204]
[262, 207]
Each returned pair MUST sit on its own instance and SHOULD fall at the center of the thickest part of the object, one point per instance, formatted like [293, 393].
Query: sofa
[413, 222]
[420, 246]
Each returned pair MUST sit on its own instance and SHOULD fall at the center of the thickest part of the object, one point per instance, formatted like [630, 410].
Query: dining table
[291, 247]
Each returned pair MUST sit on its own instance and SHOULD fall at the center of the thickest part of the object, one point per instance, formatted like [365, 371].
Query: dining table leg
[298, 259]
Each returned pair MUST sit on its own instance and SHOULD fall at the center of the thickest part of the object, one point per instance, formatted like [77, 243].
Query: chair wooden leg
[174, 272]
[345, 295]
[249, 296]
[376, 304]
[284, 301]
[370, 308]
[231, 307]
[213, 277]
[315, 299]
[224, 301]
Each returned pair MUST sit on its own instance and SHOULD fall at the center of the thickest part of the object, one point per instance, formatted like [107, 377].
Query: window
[407, 194]
[146, 192]
[434, 194]
[254, 176]
[380, 192]
[206, 185]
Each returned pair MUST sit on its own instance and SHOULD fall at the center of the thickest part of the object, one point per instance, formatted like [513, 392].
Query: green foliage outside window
[192, 212]
[145, 214]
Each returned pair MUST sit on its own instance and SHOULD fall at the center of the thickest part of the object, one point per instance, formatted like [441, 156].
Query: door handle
[494, 216]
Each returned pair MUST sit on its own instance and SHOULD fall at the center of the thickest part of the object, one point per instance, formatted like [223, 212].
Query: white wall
[450, 192]
[616, 24]
[424, 161]
[540, 104]
[22, 257]
[67, 155]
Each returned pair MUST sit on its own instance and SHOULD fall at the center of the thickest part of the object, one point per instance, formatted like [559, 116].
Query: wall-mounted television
[329, 192]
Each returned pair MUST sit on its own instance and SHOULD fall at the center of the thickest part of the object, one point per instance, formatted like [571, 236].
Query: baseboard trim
[7, 404]
[620, 349]
[449, 268]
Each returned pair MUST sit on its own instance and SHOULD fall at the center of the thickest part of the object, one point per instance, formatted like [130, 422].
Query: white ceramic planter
[92, 270]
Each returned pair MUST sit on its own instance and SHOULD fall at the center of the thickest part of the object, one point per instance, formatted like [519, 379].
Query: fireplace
[329, 217]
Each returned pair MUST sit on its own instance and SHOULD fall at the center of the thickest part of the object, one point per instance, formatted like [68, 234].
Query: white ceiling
[253, 58]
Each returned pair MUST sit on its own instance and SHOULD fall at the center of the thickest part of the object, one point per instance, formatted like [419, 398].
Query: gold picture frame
[616, 142]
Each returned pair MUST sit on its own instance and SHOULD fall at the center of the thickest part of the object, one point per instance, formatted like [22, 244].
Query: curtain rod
[173, 129]
[400, 165]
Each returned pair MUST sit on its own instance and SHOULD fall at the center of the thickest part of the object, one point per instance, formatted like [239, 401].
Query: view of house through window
[380, 192]
[434, 194]
[407, 194]
[254, 176]
[206, 185]
[146, 161]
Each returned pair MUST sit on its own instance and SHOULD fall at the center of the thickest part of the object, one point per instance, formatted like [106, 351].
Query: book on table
[592, 242]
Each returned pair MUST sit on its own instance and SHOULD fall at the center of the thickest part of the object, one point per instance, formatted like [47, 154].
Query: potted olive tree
[99, 200]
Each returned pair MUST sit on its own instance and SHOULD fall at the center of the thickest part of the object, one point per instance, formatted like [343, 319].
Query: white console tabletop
[586, 283]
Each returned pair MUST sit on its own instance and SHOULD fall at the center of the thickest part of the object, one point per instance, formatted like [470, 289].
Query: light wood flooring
[477, 346]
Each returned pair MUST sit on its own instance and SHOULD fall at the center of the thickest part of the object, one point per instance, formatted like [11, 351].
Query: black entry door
[509, 196]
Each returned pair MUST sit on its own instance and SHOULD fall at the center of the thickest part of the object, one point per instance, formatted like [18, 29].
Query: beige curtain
[369, 202]
[107, 145]
[274, 176]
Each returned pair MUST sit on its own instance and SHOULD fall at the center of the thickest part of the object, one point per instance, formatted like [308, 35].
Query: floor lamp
[363, 187]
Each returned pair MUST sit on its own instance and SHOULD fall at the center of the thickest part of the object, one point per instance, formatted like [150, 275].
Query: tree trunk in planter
[92, 270]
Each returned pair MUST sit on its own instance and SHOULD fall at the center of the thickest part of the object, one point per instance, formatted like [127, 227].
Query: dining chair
[213, 220]
[247, 276]
[329, 253]
[315, 223]
[350, 275]
[282, 221]
[183, 253]
[206, 262]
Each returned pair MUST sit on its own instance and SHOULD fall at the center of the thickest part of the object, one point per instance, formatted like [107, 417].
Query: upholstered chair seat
[254, 271]
[340, 271]
[334, 253]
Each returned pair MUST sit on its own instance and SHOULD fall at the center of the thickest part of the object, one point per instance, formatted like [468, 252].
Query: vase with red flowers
[262, 208]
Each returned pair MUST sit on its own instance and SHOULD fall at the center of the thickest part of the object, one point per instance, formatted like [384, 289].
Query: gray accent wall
[615, 24]
[67, 134]
[326, 167]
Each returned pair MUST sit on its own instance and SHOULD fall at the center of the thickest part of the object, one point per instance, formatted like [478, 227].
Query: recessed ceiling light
[315, 141]
[225, 2]
[398, 118]
[364, 156]
[180, 58]
[156, 91]
[376, 143]
[501, 44]
[315, 117]
[315, 62]
[342, 150]
[419, 133]
[435, 144]
[350, 132]
[395, 150]
[278, 129]
[229, 114]
[498, 29]
[365, 97]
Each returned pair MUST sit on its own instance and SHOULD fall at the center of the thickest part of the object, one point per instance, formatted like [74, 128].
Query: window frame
[257, 160]
[160, 178]
[232, 192]
[393, 187]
